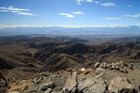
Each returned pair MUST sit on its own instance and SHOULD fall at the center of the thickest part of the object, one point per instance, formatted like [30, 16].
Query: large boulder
[96, 65]
[2, 84]
[45, 86]
[49, 90]
[71, 82]
[98, 71]
[120, 85]
[14, 92]
[92, 86]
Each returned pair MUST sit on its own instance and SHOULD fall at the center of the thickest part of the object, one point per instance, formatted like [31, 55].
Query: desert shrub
[3, 89]
[125, 64]
[33, 45]
[37, 76]
[69, 69]
[28, 81]
[62, 71]
[26, 85]
[16, 88]
[79, 71]
[86, 71]
[93, 65]
[3, 74]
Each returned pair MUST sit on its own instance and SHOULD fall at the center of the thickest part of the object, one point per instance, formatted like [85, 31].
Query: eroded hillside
[27, 58]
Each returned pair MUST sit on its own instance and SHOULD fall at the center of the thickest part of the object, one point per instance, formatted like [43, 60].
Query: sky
[69, 13]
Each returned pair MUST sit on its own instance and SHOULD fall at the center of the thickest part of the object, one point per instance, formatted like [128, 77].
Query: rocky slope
[61, 62]
[99, 79]
[74, 68]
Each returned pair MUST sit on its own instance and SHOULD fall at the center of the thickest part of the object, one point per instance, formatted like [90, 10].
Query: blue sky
[69, 13]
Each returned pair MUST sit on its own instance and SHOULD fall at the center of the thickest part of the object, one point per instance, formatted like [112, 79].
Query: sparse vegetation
[86, 71]
[125, 64]
[16, 88]
[26, 85]
[28, 81]
[61, 59]
[3, 75]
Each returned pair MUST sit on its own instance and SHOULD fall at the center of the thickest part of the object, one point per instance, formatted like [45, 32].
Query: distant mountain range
[130, 30]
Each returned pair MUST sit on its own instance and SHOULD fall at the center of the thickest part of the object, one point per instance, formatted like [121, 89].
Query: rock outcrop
[121, 85]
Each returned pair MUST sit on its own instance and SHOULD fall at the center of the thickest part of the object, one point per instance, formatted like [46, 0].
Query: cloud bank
[78, 12]
[16, 10]
[67, 15]
[112, 18]
[109, 4]
[133, 15]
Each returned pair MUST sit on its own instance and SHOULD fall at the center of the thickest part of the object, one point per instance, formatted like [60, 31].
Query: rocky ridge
[84, 80]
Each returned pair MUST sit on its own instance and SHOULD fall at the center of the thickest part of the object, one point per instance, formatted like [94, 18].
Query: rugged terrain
[58, 61]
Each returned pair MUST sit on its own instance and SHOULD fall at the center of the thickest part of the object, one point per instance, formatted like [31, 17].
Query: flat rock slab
[49, 90]
[70, 84]
[14, 92]
[74, 75]
[45, 86]
[92, 86]
[98, 71]
[34, 89]
[99, 87]
[120, 85]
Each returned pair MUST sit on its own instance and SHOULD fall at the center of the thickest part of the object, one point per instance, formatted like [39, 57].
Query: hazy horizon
[69, 17]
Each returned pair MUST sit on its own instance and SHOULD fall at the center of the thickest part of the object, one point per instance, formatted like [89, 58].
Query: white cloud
[92, 1]
[96, 2]
[67, 15]
[79, 1]
[4, 10]
[89, 0]
[116, 25]
[22, 13]
[112, 18]
[129, 6]
[133, 15]
[109, 4]
[13, 26]
[77, 12]
[16, 10]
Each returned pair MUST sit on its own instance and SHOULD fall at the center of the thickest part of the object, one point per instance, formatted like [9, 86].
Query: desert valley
[31, 64]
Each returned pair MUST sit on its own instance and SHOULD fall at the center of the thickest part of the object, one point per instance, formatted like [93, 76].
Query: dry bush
[93, 65]
[79, 72]
[28, 81]
[26, 85]
[62, 71]
[37, 76]
[101, 65]
[47, 81]
[3, 89]
[58, 72]
[69, 69]
[86, 71]
[16, 88]
[125, 64]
